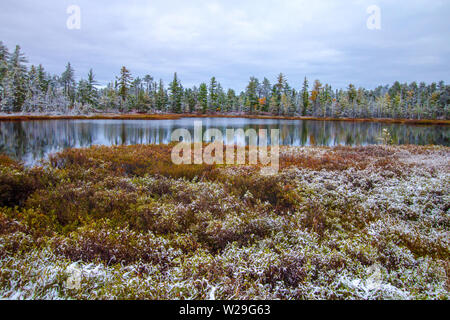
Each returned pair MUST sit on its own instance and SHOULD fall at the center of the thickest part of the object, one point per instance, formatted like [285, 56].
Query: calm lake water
[30, 141]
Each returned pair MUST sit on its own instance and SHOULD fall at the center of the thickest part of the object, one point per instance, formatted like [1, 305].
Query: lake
[31, 141]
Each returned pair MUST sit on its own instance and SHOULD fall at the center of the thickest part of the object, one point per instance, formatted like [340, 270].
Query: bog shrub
[101, 241]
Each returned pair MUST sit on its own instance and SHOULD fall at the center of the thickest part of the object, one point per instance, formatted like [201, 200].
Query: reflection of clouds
[33, 140]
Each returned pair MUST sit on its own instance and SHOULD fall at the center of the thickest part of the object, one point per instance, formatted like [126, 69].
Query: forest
[31, 90]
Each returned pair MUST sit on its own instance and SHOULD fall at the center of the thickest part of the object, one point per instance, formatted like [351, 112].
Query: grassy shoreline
[335, 223]
[178, 116]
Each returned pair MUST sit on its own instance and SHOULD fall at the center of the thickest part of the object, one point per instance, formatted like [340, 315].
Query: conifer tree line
[33, 90]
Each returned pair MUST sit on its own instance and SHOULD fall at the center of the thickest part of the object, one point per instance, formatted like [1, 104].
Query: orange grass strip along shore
[133, 116]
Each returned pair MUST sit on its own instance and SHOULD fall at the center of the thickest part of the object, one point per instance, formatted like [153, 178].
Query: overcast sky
[234, 40]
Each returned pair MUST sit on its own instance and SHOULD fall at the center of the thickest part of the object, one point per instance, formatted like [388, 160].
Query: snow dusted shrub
[35, 222]
[242, 229]
[428, 242]
[291, 270]
[275, 190]
[6, 161]
[161, 218]
[74, 202]
[314, 218]
[15, 186]
[7, 224]
[100, 241]
[17, 182]
[137, 160]
[205, 196]
[15, 243]
[138, 227]
[155, 185]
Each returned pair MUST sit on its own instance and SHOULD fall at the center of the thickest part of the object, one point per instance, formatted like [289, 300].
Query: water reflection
[30, 141]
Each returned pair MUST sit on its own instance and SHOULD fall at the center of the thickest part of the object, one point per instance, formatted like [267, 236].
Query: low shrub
[100, 241]
[138, 227]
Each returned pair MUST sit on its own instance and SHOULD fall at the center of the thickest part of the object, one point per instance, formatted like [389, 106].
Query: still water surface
[31, 141]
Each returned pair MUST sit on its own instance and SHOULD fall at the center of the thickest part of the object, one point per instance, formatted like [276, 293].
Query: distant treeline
[33, 90]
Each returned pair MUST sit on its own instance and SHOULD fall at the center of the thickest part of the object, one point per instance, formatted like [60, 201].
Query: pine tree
[34, 99]
[16, 82]
[83, 92]
[124, 82]
[275, 101]
[231, 100]
[4, 57]
[213, 94]
[68, 82]
[92, 94]
[252, 99]
[175, 97]
[42, 78]
[148, 79]
[316, 98]
[191, 98]
[161, 97]
[281, 83]
[203, 97]
[352, 93]
[221, 98]
[305, 97]
[266, 93]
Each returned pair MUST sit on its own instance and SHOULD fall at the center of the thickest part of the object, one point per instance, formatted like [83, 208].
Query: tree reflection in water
[30, 141]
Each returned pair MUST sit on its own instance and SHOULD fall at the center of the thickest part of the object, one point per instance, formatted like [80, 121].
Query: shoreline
[168, 116]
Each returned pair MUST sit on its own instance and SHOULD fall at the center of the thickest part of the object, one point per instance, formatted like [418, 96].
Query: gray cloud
[234, 40]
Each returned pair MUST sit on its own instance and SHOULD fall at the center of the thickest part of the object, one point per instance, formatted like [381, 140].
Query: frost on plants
[125, 223]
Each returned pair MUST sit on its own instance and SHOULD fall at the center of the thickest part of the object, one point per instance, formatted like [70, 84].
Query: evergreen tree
[213, 94]
[221, 98]
[352, 99]
[92, 93]
[124, 82]
[161, 97]
[148, 79]
[42, 78]
[83, 92]
[4, 57]
[281, 83]
[68, 82]
[305, 97]
[231, 101]
[16, 82]
[315, 97]
[252, 98]
[203, 97]
[176, 92]
[266, 93]
[35, 99]
[191, 98]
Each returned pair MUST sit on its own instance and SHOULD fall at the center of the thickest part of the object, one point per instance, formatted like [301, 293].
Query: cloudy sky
[233, 40]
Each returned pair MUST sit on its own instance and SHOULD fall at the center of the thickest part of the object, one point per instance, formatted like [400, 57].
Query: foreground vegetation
[335, 223]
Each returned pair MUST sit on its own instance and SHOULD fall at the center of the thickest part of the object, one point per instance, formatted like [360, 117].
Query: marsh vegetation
[135, 226]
